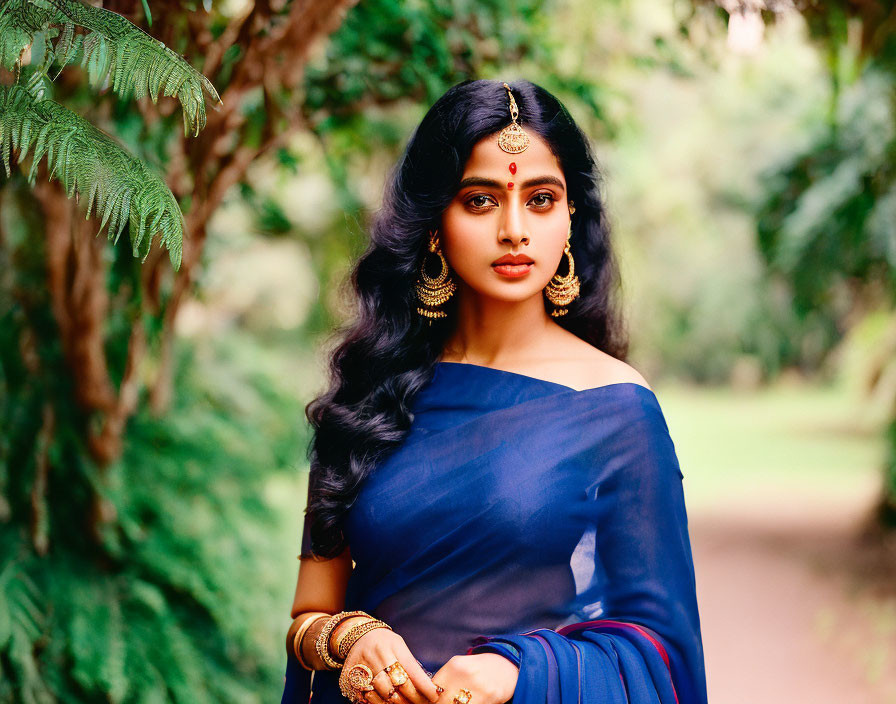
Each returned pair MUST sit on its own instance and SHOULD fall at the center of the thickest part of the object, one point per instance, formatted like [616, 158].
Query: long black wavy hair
[389, 352]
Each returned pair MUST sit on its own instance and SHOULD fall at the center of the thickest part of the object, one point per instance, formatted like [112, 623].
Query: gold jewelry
[340, 630]
[572, 209]
[562, 290]
[323, 640]
[400, 675]
[434, 292]
[512, 139]
[356, 681]
[300, 635]
[463, 697]
[350, 637]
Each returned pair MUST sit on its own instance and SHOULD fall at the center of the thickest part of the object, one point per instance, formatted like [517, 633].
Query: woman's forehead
[488, 156]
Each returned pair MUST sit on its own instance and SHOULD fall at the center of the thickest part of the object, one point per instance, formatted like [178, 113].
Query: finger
[403, 682]
[387, 691]
[373, 697]
[422, 689]
[361, 696]
[397, 698]
[428, 673]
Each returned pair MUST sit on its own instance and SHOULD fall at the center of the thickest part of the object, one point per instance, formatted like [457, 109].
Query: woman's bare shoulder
[586, 366]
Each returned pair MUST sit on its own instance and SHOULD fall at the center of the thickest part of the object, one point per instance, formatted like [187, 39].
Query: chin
[511, 293]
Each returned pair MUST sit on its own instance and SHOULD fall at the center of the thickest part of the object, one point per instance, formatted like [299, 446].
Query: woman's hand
[380, 648]
[491, 678]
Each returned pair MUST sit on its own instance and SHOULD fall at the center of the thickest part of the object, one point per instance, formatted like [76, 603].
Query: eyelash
[549, 196]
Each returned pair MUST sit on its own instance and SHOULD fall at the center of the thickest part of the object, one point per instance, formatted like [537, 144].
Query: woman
[504, 483]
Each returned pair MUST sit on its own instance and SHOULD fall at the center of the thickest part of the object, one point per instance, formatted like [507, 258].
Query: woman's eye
[479, 201]
[543, 203]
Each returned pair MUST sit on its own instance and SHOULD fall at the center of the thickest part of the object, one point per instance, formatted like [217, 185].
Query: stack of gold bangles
[357, 680]
[334, 660]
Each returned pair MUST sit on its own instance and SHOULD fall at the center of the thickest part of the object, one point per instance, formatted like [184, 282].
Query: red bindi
[510, 185]
[512, 167]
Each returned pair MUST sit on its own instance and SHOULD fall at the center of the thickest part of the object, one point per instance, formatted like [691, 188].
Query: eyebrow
[537, 181]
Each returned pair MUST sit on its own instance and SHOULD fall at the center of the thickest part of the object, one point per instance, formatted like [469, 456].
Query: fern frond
[138, 63]
[98, 635]
[20, 598]
[88, 161]
[21, 625]
[20, 21]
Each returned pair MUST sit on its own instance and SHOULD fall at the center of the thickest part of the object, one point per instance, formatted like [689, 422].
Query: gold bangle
[337, 635]
[352, 635]
[300, 635]
[323, 645]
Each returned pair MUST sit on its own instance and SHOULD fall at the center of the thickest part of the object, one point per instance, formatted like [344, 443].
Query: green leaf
[87, 160]
[138, 63]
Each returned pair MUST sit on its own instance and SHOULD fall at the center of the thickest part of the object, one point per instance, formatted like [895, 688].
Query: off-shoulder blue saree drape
[546, 524]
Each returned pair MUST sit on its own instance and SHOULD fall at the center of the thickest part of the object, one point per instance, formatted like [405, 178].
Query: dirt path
[793, 609]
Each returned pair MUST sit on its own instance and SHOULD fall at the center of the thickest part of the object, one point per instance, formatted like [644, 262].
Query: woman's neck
[491, 331]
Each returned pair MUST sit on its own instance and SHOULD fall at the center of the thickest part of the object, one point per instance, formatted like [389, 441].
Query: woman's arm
[322, 583]
[320, 588]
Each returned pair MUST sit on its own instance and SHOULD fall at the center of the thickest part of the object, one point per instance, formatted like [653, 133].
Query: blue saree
[546, 524]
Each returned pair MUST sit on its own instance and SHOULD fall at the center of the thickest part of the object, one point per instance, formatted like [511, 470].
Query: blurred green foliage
[174, 600]
[827, 225]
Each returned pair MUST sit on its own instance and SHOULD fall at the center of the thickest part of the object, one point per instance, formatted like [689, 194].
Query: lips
[513, 266]
[513, 259]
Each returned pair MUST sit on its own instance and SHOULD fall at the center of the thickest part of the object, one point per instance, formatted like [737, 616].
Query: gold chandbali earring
[433, 292]
[512, 139]
[563, 290]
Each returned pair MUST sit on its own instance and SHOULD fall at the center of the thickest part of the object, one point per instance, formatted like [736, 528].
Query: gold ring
[358, 680]
[463, 697]
[397, 673]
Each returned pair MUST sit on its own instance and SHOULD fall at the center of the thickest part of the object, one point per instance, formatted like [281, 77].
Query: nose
[514, 230]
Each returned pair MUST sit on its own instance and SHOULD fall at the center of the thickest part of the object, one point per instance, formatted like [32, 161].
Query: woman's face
[507, 204]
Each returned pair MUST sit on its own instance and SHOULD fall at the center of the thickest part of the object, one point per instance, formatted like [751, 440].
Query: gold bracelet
[322, 643]
[300, 635]
[339, 631]
[352, 635]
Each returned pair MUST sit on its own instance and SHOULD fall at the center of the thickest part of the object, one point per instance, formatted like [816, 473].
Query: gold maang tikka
[512, 139]
[433, 292]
